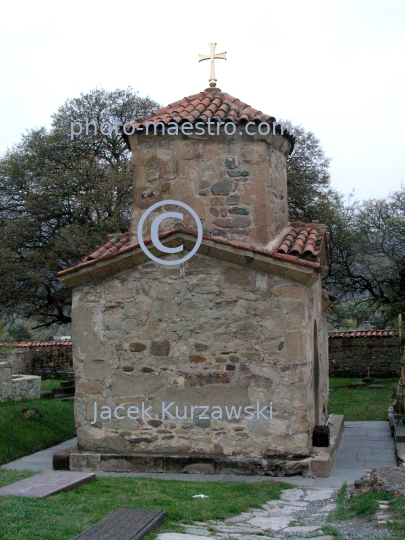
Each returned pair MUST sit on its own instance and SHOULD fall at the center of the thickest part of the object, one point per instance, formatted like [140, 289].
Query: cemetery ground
[63, 516]
[20, 436]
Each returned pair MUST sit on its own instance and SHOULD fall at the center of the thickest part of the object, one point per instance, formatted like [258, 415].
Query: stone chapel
[219, 364]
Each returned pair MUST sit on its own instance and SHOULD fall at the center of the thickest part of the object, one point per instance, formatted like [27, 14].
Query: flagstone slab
[46, 484]
[124, 524]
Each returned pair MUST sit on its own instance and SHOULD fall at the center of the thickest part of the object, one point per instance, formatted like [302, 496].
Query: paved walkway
[364, 445]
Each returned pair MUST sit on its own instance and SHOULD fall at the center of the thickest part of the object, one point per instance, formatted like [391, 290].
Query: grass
[21, 437]
[48, 384]
[362, 403]
[65, 515]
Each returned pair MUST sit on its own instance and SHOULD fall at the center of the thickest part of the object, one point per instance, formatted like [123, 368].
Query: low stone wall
[48, 359]
[17, 387]
[352, 354]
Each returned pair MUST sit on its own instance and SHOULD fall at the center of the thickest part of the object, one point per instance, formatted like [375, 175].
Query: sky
[334, 67]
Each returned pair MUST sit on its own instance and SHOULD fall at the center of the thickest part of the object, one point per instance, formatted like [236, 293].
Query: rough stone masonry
[241, 325]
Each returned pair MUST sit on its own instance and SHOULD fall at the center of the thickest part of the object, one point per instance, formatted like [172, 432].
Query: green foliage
[58, 200]
[308, 179]
[20, 333]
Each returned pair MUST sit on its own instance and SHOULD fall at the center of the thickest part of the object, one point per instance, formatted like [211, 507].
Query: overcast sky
[335, 67]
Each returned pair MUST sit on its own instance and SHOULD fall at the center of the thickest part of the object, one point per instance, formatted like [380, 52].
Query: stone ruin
[17, 387]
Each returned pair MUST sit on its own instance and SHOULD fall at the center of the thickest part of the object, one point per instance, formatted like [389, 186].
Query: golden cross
[212, 56]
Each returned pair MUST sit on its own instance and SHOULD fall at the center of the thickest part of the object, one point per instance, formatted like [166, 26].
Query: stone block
[84, 461]
[238, 172]
[197, 358]
[160, 348]
[223, 187]
[137, 347]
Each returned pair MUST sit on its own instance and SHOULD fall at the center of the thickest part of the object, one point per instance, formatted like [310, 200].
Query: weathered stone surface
[155, 423]
[202, 422]
[18, 387]
[233, 198]
[238, 172]
[165, 186]
[229, 162]
[204, 183]
[223, 187]
[131, 385]
[356, 357]
[219, 232]
[45, 484]
[201, 379]
[199, 468]
[124, 524]
[239, 211]
[160, 348]
[231, 222]
[197, 358]
[200, 347]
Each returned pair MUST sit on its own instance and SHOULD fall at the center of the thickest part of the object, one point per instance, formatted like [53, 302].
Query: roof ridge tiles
[285, 254]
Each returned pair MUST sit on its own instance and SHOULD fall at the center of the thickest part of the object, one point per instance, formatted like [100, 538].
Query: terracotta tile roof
[210, 104]
[114, 245]
[119, 244]
[362, 333]
[304, 239]
[66, 343]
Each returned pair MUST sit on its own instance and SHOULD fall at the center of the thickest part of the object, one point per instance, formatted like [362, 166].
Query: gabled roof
[312, 256]
[211, 104]
[303, 241]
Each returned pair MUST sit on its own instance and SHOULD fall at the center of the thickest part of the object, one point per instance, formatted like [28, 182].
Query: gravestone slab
[124, 524]
[45, 484]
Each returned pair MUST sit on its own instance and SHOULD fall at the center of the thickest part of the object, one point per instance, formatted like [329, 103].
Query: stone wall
[236, 184]
[17, 387]
[352, 356]
[223, 335]
[48, 361]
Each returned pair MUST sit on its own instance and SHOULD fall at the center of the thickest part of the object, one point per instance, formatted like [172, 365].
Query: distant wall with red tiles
[48, 359]
[351, 354]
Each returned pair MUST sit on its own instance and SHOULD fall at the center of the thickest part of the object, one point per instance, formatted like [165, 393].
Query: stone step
[45, 484]
[124, 524]
[66, 391]
[61, 459]
[66, 384]
[46, 394]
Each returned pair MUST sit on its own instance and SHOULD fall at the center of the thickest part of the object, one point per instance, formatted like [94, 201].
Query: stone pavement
[46, 484]
[276, 519]
[40, 461]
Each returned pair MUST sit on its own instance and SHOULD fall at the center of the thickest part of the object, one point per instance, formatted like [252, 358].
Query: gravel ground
[348, 529]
